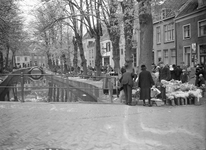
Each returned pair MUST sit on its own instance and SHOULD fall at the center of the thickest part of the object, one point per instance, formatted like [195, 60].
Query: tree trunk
[75, 60]
[146, 34]
[7, 56]
[114, 33]
[98, 60]
[128, 10]
[1, 62]
[84, 61]
[13, 63]
[116, 53]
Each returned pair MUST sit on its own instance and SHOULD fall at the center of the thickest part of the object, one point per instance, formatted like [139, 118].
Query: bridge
[60, 89]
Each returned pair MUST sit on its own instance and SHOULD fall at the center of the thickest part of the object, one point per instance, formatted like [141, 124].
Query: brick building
[164, 31]
[191, 34]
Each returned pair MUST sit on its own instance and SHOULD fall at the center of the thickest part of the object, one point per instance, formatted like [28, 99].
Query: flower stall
[181, 93]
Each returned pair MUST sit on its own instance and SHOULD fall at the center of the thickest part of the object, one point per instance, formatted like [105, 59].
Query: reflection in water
[35, 91]
[38, 91]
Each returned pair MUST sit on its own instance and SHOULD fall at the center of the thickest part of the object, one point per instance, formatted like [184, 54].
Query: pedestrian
[201, 81]
[153, 68]
[178, 72]
[184, 76]
[127, 84]
[172, 72]
[164, 74]
[120, 88]
[145, 83]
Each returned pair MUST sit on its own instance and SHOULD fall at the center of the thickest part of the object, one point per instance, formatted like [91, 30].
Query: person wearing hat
[127, 84]
[145, 83]
[184, 77]
[201, 81]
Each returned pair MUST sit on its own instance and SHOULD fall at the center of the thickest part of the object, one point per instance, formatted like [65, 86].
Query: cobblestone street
[75, 126]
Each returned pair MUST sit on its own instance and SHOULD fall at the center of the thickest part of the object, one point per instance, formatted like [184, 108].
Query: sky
[27, 7]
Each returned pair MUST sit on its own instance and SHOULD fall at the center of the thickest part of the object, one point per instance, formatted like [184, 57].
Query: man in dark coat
[127, 84]
[184, 76]
[145, 83]
[178, 72]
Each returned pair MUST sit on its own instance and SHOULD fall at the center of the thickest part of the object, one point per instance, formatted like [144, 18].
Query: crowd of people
[147, 80]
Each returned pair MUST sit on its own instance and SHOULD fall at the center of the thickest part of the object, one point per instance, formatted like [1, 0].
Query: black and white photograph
[102, 74]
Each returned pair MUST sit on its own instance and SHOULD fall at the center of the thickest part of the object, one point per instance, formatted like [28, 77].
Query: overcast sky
[27, 7]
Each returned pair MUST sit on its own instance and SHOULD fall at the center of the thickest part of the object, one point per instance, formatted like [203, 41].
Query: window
[158, 35]
[25, 58]
[108, 46]
[159, 55]
[202, 28]
[166, 57]
[92, 54]
[173, 56]
[18, 59]
[164, 13]
[187, 55]
[202, 49]
[169, 32]
[186, 31]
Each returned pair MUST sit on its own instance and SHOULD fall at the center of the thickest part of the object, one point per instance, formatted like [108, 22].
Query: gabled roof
[191, 7]
[105, 36]
[172, 8]
[174, 4]
[86, 36]
[91, 44]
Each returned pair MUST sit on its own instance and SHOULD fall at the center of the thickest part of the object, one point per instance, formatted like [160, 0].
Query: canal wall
[93, 91]
[10, 77]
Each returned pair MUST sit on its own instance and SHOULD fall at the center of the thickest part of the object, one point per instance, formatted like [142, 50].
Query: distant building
[87, 40]
[191, 34]
[106, 50]
[22, 61]
[91, 48]
[38, 60]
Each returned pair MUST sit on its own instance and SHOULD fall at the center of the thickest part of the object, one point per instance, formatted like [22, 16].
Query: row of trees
[61, 24]
[92, 16]
[12, 36]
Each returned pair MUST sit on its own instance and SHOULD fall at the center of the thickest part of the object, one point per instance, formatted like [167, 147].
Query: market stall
[179, 93]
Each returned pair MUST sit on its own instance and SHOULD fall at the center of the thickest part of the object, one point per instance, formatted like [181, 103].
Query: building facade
[164, 41]
[38, 60]
[91, 48]
[106, 51]
[86, 40]
[191, 34]
[164, 37]
[22, 61]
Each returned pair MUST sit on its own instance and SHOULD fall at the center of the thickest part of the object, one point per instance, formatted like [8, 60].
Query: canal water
[41, 91]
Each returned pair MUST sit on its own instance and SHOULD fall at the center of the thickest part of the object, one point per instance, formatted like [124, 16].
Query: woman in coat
[145, 83]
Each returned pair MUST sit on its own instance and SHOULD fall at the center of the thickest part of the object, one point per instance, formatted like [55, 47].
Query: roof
[91, 44]
[172, 8]
[86, 36]
[191, 7]
[105, 36]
